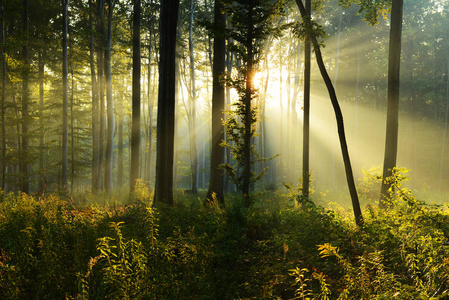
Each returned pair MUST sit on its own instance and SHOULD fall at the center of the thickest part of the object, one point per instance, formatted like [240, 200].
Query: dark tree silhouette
[166, 102]
[216, 183]
[391, 138]
[306, 124]
[135, 133]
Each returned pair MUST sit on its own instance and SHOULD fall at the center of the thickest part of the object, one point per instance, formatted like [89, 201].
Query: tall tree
[391, 139]
[192, 107]
[216, 182]
[250, 22]
[65, 97]
[95, 109]
[135, 131]
[313, 34]
[109, 101]
[24, 166]
[101, 84]
[166, 102]
[306, 119]
[249, 93]
[41, 120]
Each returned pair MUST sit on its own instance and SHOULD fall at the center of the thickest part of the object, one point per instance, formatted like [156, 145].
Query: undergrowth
[278, 249]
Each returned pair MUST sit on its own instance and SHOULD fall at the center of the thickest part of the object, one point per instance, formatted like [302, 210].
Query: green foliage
[370, 9]
[235, 132]
[272, 250]
[314, 31]
[251, 23]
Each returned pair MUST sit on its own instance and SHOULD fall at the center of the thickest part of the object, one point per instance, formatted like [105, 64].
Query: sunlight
[258, 80]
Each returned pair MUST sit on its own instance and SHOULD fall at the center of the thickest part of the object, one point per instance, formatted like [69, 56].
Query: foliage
[251, 23]
[370, 9]
[272, 250]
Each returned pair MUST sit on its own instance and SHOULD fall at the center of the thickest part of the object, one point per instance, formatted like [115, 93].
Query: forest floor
[87, 247]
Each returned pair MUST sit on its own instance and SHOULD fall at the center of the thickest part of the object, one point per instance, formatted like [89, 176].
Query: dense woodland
[204, 150]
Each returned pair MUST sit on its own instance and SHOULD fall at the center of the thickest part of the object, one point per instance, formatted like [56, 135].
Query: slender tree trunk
[72, 131]
[135, 134]
[228, 65]
[65, 98]
[41, 184]
[192, 108]
[101, 79]
[248, 108]
[294, 120]
[109, 100]
[3, 96]
[216, 182]
[166, 102]
[391, 141]
[338, 116]
[150, 108]
[95, 108]
[306, 119]
[24, 166]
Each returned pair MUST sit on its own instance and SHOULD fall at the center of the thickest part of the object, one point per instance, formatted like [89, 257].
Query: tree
[312, 31]
[250, 27]
[65, 97]
[109, 101]
[135, 131]
[216, 182]
[95, 108]
[166, 102]
[391, 139]
[306, 124]
[25, 184]
[192, 107]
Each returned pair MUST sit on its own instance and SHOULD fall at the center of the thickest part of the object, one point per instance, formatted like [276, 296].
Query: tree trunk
[248, 109]
[216, 182]
[109, 101]
[166, 102]
[25, 185]
[391, 140]
[72, 131]
[338, 116]
[229, 62]
[306, 119]
[150, 109]
[135, 134]
[65, 98]
[95, 109]
[294, 120]
[120, 147]
[41, 185]
[100, 66]
[192, 109]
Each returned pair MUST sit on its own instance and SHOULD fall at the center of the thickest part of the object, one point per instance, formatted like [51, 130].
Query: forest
[246, 149]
